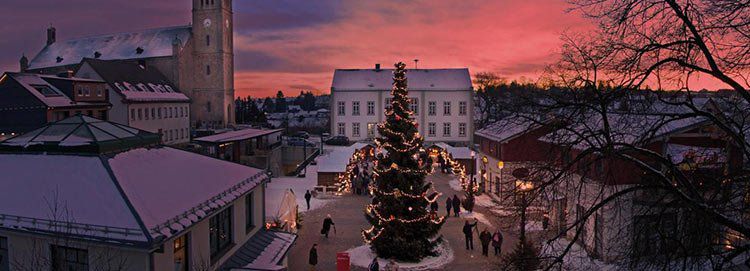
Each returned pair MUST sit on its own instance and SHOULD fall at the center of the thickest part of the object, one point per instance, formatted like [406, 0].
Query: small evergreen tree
[402, 226]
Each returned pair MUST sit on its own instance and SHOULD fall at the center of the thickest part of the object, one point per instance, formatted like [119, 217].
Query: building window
[355, 129]
[431, 108]
[341, 108]
[132, 114]
[99, 92]
[462, 129]
[87, 92]
[447, 108]
[431, 131]
[220, 232]
[158, 113]
[446, 129]
[355, 108]
[140, 114]
[370, 108]
[341, 129]
[414, 106]
[249, 210]
[371, 127]
[145, 113]
[80, 92]
[69, 259]
[181, 252]
[208, 69]
[153, 113]
[208, 40]
[462, 108]
[208, 106]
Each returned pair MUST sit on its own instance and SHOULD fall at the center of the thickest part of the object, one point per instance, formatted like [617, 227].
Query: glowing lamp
[500, 165]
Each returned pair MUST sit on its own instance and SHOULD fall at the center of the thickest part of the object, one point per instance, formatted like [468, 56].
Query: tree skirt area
[362, 256]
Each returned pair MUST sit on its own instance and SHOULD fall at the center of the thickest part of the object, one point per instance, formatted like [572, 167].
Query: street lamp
[471, 181]
[524, 187]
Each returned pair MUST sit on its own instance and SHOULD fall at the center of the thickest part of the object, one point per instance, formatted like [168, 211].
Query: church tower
[213, 64]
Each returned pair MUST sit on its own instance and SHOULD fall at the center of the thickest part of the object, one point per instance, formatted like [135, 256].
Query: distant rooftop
[418, 79]
[135, 82]
[238, 135]
[130, 45]
[81, 134]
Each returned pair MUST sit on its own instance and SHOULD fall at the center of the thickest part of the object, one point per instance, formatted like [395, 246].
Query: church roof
[136, 82]
[418, 79]
[148, 43]
[81, 134]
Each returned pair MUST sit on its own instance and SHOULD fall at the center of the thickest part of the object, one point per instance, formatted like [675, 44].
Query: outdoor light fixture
[500, 164]
[524, 186]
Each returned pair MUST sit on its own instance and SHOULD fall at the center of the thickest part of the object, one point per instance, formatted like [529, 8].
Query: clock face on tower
[207, 23]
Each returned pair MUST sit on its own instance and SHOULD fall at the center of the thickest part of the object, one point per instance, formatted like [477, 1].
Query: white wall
[178, 125]
[422, 117]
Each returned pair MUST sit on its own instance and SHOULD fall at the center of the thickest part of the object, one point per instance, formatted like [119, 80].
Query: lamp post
[471, 181]
[523, 187]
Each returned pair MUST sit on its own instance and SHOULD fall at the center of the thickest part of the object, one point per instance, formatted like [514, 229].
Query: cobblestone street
[347, 213]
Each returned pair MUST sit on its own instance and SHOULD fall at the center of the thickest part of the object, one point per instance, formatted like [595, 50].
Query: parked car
[301, 134]
[300, 142]
[338, 141]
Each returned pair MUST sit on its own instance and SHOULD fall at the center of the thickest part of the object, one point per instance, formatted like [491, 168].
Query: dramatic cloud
[294, 45]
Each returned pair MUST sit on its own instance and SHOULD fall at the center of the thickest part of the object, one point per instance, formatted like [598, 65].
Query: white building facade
[441, 102]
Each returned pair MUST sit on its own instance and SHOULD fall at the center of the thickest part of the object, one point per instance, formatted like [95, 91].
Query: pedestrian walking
[374, 265]
[456, 205]
[327, 223]
[497, 242]
[313, 260]
[391, 266]
[448, 205]
[469, 234]
[308, 196]
[485, 237]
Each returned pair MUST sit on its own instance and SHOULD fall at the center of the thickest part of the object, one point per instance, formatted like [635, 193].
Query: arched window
[208, 69]
[208, 40]
[208, 106]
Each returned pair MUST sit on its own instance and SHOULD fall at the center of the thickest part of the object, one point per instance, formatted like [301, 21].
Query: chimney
[51, 36]
[24, 63]
[377, 66]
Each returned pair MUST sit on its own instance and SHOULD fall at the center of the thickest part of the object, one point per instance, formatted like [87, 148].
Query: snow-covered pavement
[277, 187]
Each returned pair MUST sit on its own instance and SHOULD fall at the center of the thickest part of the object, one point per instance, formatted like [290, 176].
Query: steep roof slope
[418, 79]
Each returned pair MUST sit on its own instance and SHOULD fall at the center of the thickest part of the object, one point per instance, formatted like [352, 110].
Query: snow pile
[455, 185]
[484, 201]
[504, 212]
[362, 256]
[576, 258]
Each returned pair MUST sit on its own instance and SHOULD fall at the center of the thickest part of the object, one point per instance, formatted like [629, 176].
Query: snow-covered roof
[338, 159]
[81, 134]
[64, 188]
[419, 79]
[135, 193]
[634, 129]
[43, 90]
[135, 82]
[238, 135]
[456, 152]
[506, 129]
[131, 45]
[171, 189]
[265, 251]
[705, 156]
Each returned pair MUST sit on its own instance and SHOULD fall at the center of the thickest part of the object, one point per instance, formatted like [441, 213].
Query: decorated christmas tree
[403, 228]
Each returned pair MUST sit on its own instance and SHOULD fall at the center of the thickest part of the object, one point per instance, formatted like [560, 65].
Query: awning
[265, 251]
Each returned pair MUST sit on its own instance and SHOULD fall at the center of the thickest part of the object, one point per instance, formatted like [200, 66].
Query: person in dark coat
[485, 237]
[308, 196]
[374, 265]
[469, 234]
[434, 206]
[313, 260]
[497, 242]
[456, 205]
[327, 223]
[448, 205]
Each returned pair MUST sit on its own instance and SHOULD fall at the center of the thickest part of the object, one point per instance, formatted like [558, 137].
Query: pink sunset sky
[294, 45]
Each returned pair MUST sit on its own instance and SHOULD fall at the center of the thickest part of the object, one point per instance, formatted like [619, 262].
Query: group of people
[327, 225]
[485, 238]
[452, 203]
[444, 165]
[361, 177]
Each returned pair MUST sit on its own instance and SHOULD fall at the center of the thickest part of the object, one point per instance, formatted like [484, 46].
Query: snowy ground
[479, 216]
[363, 255]
[277, 187]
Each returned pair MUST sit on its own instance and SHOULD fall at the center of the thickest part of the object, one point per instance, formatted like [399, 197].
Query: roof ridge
[123, 32]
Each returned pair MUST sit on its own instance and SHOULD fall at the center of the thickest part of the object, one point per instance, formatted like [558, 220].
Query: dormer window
[97, 54]
[59, 59]
[139, 50]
